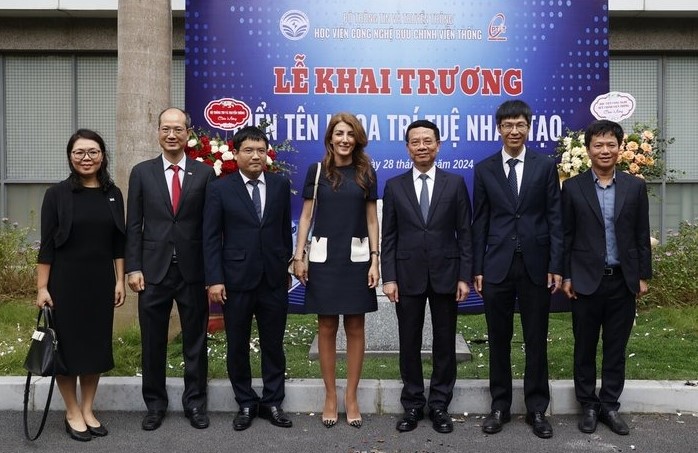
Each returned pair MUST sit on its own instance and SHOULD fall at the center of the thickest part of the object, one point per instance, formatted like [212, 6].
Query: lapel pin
[111, 199]
[190, 173]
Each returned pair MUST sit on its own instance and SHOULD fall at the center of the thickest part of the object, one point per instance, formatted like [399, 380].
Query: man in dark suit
[517, 243]
[607, 265]
[164, 261]
[247, 246]
[427, 254]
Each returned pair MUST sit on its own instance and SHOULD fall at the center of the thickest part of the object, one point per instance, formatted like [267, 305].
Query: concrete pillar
[143, 89]
[144, 41]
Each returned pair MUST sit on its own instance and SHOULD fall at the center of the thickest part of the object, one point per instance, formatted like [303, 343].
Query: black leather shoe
[243, 419]
[82, 436]
[409, 420]
[589, 420]
[615, 422]
[494, 422]
[197, 417]
[276, 416]
[97, 431]
[541, 426]
[152, 420]
[441, 421]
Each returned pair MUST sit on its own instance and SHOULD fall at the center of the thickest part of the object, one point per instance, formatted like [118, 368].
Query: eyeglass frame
[165, 131]
[509, 127]
[80, 154]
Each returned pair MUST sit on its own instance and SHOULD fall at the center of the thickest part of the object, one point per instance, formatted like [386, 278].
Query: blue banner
[295, 63]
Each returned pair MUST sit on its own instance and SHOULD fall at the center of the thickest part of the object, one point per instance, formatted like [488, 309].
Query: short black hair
[514, 109]
[249, 133]
[423, 123]
[603, 127]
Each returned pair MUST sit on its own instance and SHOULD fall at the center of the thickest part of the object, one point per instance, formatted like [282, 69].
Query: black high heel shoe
[98, 431]
[82, 436]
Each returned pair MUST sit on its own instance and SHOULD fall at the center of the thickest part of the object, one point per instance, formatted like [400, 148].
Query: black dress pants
[534, 306]
[269, 306]
[154, 309]
[410, 315]
[609, 312]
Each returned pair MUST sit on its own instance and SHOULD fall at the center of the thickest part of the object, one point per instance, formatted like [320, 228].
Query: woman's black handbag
[42, 360]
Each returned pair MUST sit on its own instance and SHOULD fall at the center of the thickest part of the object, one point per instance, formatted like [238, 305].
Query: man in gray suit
[427, 254]
[164, 261]
[608, 261]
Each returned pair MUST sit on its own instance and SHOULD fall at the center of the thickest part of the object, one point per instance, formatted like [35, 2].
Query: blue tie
[256, 199]
[513, 183]
[424, 197]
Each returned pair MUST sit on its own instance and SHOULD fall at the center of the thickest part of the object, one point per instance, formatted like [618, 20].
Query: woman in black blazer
[80, 273]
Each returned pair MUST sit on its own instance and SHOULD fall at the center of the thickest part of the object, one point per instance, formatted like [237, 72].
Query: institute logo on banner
[227, 113]
[497, 28]
[294, 25]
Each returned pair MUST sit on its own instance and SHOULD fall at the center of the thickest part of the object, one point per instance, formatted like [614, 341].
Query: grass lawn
[662, 346]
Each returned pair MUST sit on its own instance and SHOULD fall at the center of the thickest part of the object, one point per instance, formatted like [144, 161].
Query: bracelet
[374, 252]
[297, 259]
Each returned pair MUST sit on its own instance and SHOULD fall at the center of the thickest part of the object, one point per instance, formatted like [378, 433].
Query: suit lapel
[238, 186]
[439, 186]
[271, 188]
[189, 172]
[498, 175]
[113, 203]
[621, 192]
[158, 172]
[407, 184]
[589, 191]
[529, 173]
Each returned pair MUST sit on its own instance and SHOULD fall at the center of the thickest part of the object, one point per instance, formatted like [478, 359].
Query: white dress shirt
[519, 166]
[431, 173]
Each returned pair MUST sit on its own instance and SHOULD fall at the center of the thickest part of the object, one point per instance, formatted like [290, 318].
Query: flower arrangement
[217, 151]
[641, 154]
[572, 154]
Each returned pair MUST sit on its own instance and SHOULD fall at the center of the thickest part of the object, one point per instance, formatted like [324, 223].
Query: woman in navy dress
[80, 273]
[343, 265]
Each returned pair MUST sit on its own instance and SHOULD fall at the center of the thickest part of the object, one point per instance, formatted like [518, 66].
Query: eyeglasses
[92, 153]
[508, 127]
[166, 130]
[426, 142]
[251, 151]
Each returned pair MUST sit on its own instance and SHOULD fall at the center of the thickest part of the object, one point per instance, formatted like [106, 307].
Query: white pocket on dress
[360, 251]
[318, 250]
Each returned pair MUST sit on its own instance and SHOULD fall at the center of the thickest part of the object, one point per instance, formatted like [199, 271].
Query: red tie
[176, 188]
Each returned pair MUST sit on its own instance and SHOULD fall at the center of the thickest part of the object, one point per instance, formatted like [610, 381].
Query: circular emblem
[294, 25]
